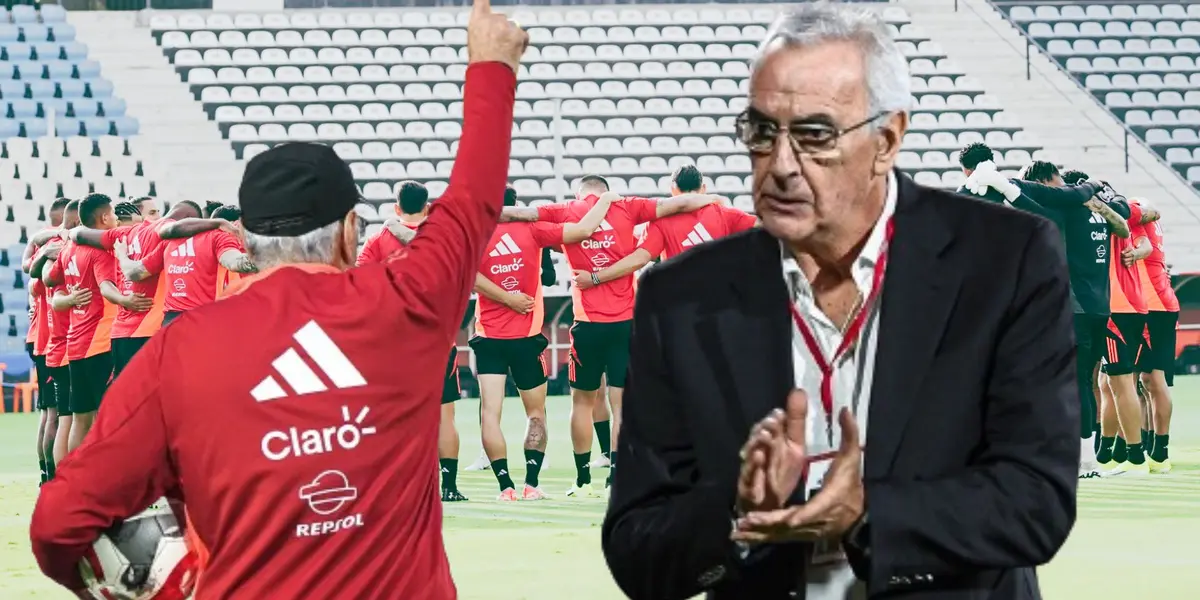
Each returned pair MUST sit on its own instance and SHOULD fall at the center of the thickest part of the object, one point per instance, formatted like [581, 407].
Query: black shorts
[451, 390]
[1161, 354]
[89, 381]
[171, 315]
[1126, 339]
[123, 351]
[60, 382]
[522, 357]
[599, 349]
[45, 390]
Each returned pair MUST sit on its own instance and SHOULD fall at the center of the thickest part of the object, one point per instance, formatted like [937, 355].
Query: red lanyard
[849, 337]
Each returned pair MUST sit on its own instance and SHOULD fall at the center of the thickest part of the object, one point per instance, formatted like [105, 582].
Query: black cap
[295, 188]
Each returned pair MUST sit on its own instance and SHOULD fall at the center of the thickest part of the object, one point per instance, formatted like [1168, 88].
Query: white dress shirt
[853, 373]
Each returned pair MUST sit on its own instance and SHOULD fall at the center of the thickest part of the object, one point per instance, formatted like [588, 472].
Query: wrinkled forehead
[793, 82]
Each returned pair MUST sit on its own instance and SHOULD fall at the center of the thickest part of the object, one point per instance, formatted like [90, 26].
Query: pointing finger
[849, 425]
[796, 423]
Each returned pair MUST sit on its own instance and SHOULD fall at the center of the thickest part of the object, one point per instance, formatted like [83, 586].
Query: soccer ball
[143, 557]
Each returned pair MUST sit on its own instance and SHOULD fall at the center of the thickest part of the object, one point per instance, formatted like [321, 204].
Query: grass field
[1134, 538]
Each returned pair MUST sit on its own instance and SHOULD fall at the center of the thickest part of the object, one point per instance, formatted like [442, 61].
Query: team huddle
[104, 279]
[1126, 312]
[597, 234]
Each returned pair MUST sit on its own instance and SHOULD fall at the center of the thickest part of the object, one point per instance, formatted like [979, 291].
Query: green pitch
[1134, 538]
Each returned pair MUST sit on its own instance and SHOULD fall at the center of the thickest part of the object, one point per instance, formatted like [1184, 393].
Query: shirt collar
[864, 265]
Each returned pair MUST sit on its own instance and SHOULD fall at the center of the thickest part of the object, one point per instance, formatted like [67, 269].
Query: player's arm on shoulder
[520, 214]
[237, 261]
[133, 270]
[54, 275]
[44, 236]
[577, 232]
[189, 227]
[667, 523]
[438, 271]
[88, 493]
[683, 204]
[1117, 224]
[630, 264]
[1059, 197]
[1150, 215]
[45, 254]
[98, 238]
[1015, 504]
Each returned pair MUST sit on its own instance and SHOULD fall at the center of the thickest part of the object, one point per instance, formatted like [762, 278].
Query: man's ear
[887, 143]
[347, 243]
[396, 207]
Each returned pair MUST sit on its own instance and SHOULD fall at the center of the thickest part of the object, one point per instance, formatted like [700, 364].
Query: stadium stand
[1140, 61]
[625, 92]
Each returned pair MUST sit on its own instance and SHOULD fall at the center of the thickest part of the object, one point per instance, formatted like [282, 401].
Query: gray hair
[313, 247]
[889, 88]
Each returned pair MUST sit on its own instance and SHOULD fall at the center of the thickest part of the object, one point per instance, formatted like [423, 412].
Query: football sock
[1120, 450]
[1147, 440]
[449, 473]
[603, 436]
[583, 473]
[1096, 437]
[1159, 453]
[42, 464]
[1104, 453]
[533, 466]
[500, 468]
[612, 467]
[50, 469]
[1135, 454]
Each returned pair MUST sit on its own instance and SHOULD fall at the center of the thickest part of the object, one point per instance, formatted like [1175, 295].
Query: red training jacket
[304, 438]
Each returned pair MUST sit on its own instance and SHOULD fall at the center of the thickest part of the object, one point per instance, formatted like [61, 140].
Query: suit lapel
[749, 348]
[918, 296]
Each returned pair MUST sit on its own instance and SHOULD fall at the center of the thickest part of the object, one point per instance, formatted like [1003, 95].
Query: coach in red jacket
[298, 418]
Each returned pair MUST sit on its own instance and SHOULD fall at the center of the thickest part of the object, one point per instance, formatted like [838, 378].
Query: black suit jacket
[971, 449]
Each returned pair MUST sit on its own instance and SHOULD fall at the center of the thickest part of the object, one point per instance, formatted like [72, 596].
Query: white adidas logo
[1096, 218]
[187, 248]
[505, 246]
[296, 372]
[698, 235]
[72, 268]
[604, 226]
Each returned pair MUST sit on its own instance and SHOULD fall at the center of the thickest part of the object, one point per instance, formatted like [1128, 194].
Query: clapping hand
[774, 457]
[829, 513]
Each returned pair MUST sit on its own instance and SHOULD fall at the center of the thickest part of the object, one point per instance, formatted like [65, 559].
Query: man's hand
[137, 302]
[121, 249]
[829, 514]
[491, 37]
[774, 459]
[1132, 255]
[80, 297]
[52, 249]
[583, 280]
[520, 303]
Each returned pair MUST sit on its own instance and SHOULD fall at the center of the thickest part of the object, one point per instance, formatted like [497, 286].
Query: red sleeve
[152, 258]
[643, 210]
[110, 237]
[370, 252]
[554, 213]
[437, 273]
[104, 267]
[737, 220]
[654, 239]
[87, 495]
[548, 235]
[222, 241]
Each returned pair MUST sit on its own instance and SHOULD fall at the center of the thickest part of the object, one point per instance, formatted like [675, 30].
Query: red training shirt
[59, 324]
[668, 237]
[84, 267]
[612, 241]
[142, 241]
[1156, 280]
[307, 451]
[35, 314]
[39, 324]
[513, 261]
[382, 246]
[190, 268]
[1127, 295]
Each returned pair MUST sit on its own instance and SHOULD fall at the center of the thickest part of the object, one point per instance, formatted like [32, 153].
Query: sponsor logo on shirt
[328, 494]
[505, 246]
[604, 243]
[512, 267]
[1096, 218]
[510, 283]
[281, 445]
[183, 269]
[299, 376]
[185, 249]
[72, 268]
[698, 235]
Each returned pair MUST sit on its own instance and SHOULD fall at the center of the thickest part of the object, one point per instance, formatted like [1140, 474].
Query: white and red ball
[145, 557]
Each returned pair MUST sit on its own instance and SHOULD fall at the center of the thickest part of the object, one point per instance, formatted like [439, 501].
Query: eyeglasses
[760, 133]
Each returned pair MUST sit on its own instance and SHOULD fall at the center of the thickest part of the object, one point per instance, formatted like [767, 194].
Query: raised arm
[1056, 197]
[1015, 506]
[577, 232]
[87, 496]
[44, 236]
[663, 509]
[188, 227]
[438, 272]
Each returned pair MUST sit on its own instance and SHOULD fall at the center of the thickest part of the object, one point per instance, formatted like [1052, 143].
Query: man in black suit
[733, 483]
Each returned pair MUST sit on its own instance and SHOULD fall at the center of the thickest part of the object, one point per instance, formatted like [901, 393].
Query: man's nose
[785, 164]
